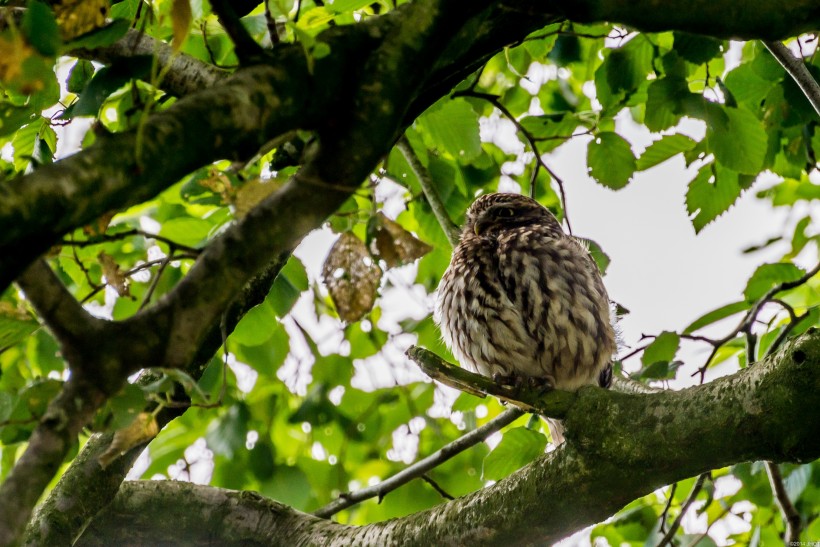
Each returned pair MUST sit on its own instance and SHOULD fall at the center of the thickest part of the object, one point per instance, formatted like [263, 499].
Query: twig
[429, 189]
[539, 161]
[436, 487]
[693, 494]
[247, 49]
[748, 320]
[104, 238]
[421, 467]
[790, 515]
[553, 404]
[798, 71]
[665, 513]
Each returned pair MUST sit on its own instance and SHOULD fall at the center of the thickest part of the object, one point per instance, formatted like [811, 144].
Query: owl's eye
[505, 212]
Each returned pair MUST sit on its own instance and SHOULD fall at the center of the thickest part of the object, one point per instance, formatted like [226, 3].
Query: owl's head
[491, 214]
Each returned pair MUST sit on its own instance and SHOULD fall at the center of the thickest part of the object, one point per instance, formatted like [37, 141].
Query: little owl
[522, 301]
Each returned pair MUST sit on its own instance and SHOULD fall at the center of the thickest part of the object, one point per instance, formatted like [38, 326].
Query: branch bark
[620, 447]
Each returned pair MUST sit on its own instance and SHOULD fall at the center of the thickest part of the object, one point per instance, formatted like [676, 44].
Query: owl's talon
[514, 381]
[542, 385]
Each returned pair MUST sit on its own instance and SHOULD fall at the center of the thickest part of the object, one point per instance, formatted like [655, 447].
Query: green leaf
[256, 326]
[453, 128]
[13, 117]
[695, 48]
[188, 231]
[79, 76]
[601, 259]
[288, 286]
[663, 102]
[14, 330]
[610, 160]
[23, 143]
[768, 276]
[125, 406]
[518, 447]
[230, 432]
[342, 6]
[737, 138]
[663, 149]
[662, 349]
[261, 460]
[710, 194]
[747, 86]
[40, 28]
[103, 36]
[106, 81]
[716, 315]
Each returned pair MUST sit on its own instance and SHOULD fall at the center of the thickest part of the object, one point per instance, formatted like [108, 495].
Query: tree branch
[553, 404]
[422, 466]
[787, 509]
[693, 494]
[63, 315]
[754, 414]
[430, 192]
[75, 499]
[798, 71]
[247, 49]
[183, 74]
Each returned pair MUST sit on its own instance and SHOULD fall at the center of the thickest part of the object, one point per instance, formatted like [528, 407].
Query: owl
[523, 301]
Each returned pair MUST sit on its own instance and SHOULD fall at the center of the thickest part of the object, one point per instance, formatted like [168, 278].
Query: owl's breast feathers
[527, 300]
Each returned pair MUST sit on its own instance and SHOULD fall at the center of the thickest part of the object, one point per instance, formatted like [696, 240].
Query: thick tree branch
[231, 120]
[183, 74]
[619, 447]
[75, 499]
[63, 315]
[422, 466]
[735, 20]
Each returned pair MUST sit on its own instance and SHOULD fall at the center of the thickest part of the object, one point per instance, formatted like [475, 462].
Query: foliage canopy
[155, 183]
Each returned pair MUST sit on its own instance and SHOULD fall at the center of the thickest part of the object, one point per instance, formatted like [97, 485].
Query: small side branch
[247, 49]
[429, 189]
[790, 515]
[60, 311]
[421, 467]
[797, 70]
[553, 404]
[693, 494]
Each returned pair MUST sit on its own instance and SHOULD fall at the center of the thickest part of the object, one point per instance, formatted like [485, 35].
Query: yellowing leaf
[13, 53]
[142, 429]
[113, 275]
[352, 277]
[181, 21]
[77, 17]
[392, 243]
[252, 192]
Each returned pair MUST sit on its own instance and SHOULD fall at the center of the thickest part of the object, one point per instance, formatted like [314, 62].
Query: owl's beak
[481, 225]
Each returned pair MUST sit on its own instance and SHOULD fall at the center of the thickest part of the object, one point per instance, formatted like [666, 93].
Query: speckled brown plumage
[522, 300]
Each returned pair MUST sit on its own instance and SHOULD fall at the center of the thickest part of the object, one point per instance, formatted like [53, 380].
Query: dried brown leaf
[392, 243]
[352, 277]
[142, 429]
[99, 226]
[113, 274]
